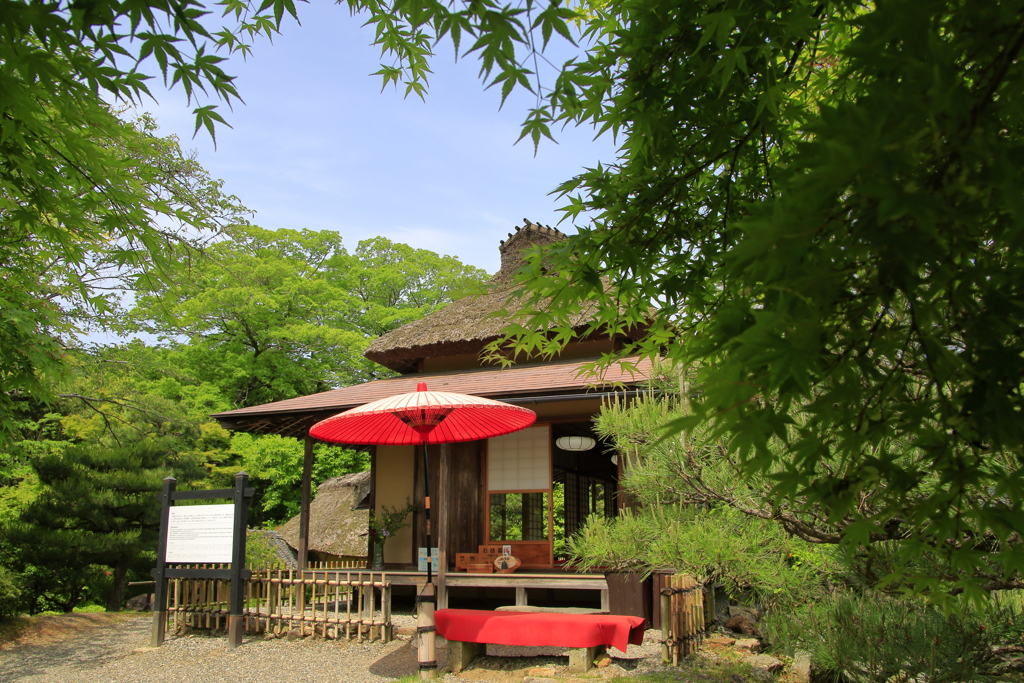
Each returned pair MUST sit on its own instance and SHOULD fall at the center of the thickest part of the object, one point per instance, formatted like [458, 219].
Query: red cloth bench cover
[539, 629]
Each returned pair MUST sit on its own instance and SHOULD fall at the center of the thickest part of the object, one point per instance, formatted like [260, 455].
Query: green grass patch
[695, 671]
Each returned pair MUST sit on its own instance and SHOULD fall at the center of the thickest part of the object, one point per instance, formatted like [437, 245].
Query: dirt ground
[45, 630]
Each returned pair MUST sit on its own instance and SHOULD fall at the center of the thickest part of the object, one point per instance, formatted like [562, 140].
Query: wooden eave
[293, 417]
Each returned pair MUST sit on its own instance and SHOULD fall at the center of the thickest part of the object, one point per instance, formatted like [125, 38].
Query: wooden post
[426, 653]
[307, 483]
[236, 602]
[443, 507]
[372, 503]
[666, 617]
[160, 592]
[385, 607]
[677, 619]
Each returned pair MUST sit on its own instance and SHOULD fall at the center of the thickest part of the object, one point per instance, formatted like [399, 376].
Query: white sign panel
[421, 560]
[200, 533]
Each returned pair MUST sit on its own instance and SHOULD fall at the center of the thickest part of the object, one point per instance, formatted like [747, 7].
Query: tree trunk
[74, 595]
[115, 598]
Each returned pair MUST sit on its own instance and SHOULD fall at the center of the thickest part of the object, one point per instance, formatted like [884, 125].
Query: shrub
[873, 637]
[259, 551]
[10, 594]
[755, 559]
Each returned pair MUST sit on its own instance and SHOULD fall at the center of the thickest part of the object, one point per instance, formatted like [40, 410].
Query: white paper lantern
[575, 443]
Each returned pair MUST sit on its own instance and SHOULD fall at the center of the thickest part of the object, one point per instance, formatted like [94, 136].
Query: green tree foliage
[90, 211]
[683, 478]
[275, 464]
[695, 515]
[261, 321]
[269, 315]
[83, 194]
[392, 284]
[97, 507]
[10, 594]
[820, 199]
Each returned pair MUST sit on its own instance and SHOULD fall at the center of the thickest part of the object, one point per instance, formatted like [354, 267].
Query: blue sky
[318, 145]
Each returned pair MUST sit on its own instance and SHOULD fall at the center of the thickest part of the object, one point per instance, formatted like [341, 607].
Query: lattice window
[520, 461]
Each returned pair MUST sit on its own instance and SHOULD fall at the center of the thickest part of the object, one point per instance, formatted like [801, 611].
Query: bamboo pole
[425, 646]
[302, 603]
[359, 610]
[177, 604]
[386, 608]
[348, 606]
[676, 622]
[337, 609]
[666, 630]
[291, 599]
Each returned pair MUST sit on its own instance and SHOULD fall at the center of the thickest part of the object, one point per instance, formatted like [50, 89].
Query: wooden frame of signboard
[237, 574]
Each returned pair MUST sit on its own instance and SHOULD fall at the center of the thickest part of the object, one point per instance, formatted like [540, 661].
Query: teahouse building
[488, 493]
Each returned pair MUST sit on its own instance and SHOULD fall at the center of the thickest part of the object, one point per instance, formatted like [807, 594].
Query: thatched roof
[464, 326]
[338, 517]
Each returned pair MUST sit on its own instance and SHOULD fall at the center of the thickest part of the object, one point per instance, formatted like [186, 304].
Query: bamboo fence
[339, 564]
[682, 618]
[329, 602]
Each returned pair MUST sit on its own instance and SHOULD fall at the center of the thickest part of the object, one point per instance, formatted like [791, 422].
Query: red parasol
[424, 417]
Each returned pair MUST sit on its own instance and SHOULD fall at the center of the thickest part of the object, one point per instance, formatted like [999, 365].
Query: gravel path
[120, 654]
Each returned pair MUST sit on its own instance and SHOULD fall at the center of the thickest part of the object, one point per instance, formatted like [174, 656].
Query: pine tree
[99, 508]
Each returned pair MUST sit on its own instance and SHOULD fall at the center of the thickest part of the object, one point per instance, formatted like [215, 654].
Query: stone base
[461, 654]
[581, 659]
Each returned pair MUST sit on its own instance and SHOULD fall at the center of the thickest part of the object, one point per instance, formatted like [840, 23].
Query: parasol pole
[426, 507]
[426, 652]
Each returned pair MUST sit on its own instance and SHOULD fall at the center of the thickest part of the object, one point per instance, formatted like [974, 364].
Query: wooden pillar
[236, 601]
[307, 485]
[372, 502]
[160, 592]
[442, 508]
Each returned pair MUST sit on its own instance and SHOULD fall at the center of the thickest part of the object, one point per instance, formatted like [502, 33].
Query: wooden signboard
[202, 534]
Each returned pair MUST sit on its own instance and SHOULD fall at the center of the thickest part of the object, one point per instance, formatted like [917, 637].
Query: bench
[469, 631]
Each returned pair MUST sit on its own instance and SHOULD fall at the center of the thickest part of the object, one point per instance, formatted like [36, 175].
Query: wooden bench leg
[581, 659]
[461, 654]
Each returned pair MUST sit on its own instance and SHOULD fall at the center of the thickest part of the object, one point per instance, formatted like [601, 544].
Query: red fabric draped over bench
[539, 628]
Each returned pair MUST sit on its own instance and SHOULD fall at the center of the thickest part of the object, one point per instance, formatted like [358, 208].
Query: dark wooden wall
[466, 504]
[465, 501]
[419, 533]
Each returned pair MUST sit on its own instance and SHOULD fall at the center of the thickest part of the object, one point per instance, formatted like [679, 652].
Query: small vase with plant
[383, 526]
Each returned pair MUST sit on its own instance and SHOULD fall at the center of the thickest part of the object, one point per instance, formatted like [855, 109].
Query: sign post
[202, 534]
